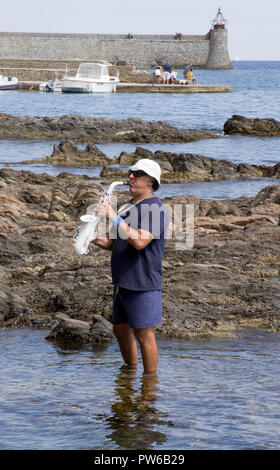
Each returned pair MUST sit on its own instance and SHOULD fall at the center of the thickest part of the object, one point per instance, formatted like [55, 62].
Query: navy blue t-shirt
[167, 67]
[140, 270]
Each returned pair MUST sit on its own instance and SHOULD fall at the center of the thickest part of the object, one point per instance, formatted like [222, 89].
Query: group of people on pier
[167, 75]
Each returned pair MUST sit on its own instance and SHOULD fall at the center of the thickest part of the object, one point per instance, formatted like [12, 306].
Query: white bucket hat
[149, 166]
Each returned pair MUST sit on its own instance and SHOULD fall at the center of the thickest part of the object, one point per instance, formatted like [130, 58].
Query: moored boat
[8, 83]
[50, 86]
[90, 78]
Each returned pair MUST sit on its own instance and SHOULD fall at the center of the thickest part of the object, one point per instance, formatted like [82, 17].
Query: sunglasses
[137, 173]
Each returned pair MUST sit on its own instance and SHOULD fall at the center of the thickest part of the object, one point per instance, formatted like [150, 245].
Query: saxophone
[86, 232]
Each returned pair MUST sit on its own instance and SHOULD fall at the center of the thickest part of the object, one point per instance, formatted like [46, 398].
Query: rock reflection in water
[134, 416]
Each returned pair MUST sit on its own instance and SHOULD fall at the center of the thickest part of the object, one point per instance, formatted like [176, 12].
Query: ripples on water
[219, 394]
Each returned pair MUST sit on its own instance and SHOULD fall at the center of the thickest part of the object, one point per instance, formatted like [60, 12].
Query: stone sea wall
[205, 51]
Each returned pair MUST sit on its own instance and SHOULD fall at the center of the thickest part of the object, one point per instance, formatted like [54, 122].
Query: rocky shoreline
[176, 168]
[90, 130]
[228, 281]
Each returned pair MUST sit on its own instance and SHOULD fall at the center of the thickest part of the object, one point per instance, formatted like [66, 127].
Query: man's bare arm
[104, 243]
[139, 239]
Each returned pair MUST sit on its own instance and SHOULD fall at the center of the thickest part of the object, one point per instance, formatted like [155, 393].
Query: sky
[253, 25]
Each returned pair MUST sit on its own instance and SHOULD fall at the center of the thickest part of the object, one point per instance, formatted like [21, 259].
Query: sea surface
[209, 394]
[218, 395]
[252, 97]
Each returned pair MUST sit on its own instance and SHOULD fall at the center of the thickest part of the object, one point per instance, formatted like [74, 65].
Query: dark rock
[268, 195]
[66, 153]
[246, 126]
[87, 129]
[143, 153]
[77, 331]
[177, 168]
[109, 173]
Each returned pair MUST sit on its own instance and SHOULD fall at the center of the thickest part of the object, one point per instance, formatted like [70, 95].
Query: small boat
[90, 78]
[50, 86]
[8, 83]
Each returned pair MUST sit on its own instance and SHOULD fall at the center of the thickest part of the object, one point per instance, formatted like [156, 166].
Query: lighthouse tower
[218, 57]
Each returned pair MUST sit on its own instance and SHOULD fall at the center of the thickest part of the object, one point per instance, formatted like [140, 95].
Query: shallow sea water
[218, 394]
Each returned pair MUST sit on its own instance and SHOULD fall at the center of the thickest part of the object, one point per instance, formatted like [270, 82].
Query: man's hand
[106, 211]
[139, 239]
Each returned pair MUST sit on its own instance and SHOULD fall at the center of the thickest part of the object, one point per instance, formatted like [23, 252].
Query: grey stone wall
[143, 50]
[218, 54]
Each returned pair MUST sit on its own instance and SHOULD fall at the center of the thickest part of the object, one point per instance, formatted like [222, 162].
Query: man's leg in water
[149, 350]
[127, 344]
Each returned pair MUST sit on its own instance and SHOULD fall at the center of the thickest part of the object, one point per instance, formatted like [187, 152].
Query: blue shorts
[141, 309]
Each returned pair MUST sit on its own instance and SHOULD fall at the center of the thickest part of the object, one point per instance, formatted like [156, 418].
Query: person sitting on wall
[190, 77]
[158, 73]
[187, 69]
[172, 77]
[166, 72]
[178, 36]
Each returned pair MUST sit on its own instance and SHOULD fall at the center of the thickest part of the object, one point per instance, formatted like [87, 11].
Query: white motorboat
[8, 83]
[90, 78]
[50, 85]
